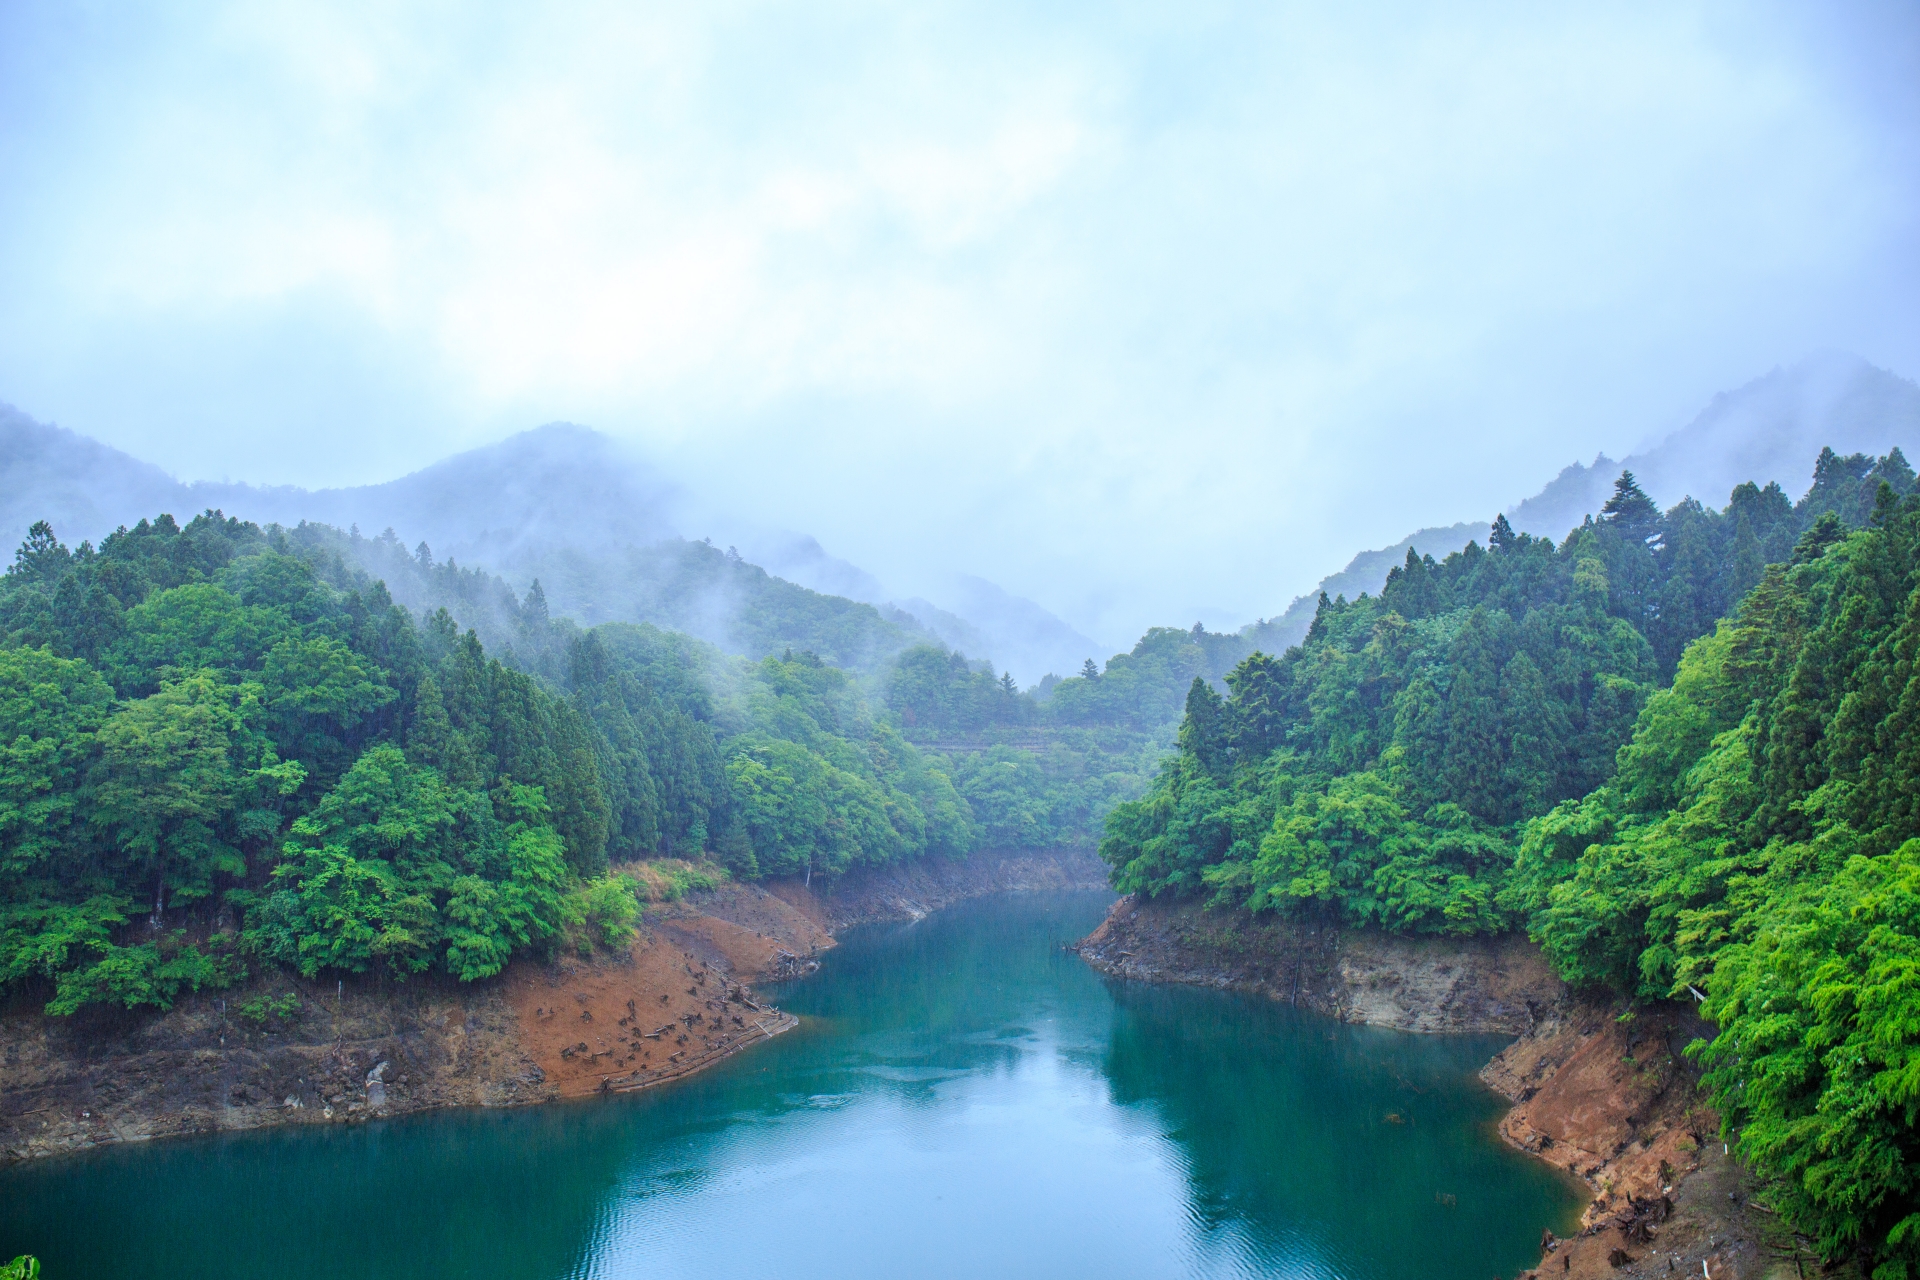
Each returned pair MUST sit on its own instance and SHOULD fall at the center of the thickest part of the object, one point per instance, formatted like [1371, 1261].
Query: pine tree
[1499, 538]
[533, 610]
[1538, 734]
[1630, 510]
[41, 557]
[429, 733]
[1476, 740]
[1413, 589]
[1258, 713]
[1203, 733]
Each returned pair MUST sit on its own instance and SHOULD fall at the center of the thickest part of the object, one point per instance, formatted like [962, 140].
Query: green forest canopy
[1677, 747]
[1681, 749]
[219, 745]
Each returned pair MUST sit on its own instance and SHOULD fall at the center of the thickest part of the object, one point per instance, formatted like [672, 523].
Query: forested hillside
[683, 586]
[222, 746]
[1042, 768]
[563, 505]
[1762, 431]
[1678, 748]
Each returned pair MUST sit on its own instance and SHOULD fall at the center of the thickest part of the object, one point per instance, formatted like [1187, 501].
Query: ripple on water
[960, 1101]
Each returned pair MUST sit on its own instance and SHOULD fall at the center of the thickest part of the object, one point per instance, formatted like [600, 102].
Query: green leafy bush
[605, 912]
[263, 1009]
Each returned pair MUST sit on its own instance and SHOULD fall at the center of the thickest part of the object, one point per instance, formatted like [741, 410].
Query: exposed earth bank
[286, 1051]
[1608, 1099]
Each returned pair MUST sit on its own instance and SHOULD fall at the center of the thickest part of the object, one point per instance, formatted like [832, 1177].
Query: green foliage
[151, 973]
[24, 1267]
[262, 1009]
[43, 937]
[1759, 844]
[933, 691]
[1817, 1068]
[1486, 745]
[1385, 770]
[51, 711]
[672, 584]
[232, 732]
[1043, 768]
[802, 813]
[671, 879]
[605, 913]
[1143, 690]
[394, 868]
[1377, 770]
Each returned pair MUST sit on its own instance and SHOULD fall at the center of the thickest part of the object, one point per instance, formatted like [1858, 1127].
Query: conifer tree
[1630, 509]
[1499, 538]
[1203, 733]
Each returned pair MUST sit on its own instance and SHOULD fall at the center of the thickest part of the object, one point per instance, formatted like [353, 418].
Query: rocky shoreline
[1605, 1097]
[284, 1051]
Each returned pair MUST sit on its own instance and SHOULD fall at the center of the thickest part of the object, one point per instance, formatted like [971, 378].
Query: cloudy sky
[1150, 312]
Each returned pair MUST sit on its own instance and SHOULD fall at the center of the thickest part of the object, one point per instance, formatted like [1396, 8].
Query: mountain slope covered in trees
[1763, 431]
[232, 733]
[571, 508]
[1678, 748]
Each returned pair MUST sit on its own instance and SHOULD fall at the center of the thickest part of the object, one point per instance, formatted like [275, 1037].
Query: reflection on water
[963, 1098]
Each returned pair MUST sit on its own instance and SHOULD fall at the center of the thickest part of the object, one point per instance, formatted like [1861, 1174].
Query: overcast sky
[1152, 313]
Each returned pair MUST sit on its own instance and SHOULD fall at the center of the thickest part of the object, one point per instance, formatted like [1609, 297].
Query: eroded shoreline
[1609, 1100]
[679, 1001]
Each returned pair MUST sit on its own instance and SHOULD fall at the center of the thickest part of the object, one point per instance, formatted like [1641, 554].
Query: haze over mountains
[612, 538]
[1770, 429]
[607, 535]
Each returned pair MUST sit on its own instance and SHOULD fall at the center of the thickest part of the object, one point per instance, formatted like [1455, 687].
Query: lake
[963, 1098]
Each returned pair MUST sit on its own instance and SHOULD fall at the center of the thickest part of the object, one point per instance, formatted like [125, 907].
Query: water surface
[962, 1099]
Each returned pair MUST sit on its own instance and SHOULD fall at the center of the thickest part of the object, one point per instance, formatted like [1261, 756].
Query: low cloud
[1147, 316]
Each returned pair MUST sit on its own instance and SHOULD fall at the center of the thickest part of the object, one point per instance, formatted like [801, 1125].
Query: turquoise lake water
[962, 1099]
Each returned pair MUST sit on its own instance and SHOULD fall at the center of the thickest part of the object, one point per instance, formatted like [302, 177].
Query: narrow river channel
[963, 1098]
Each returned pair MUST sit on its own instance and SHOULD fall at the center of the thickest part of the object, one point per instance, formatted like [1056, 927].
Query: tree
[166, 777]
[40, 558]
[1630, 510]
[1258, 719]
[51, 712]
[1500, 538]
[1204, 731]
[1539, 733]
[1476, 741]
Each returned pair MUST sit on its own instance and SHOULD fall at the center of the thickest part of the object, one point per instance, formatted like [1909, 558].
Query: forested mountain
[598, 527]
[692, 587]
[1043, 768]
[1764, 431]
[1678, 748]
[978, 616]
[236, 734]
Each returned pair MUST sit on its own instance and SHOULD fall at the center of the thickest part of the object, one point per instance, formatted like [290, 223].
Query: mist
[1149, 316]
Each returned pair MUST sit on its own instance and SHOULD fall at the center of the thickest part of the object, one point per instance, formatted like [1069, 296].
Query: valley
[582, 838]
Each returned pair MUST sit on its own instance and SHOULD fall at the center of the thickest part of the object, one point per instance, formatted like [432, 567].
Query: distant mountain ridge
[596, 525]
[1765, 430]
[570, 507]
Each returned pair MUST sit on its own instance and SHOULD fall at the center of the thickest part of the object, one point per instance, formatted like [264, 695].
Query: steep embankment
[677, 1001]
[1607, 1099]
[1414, 984]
